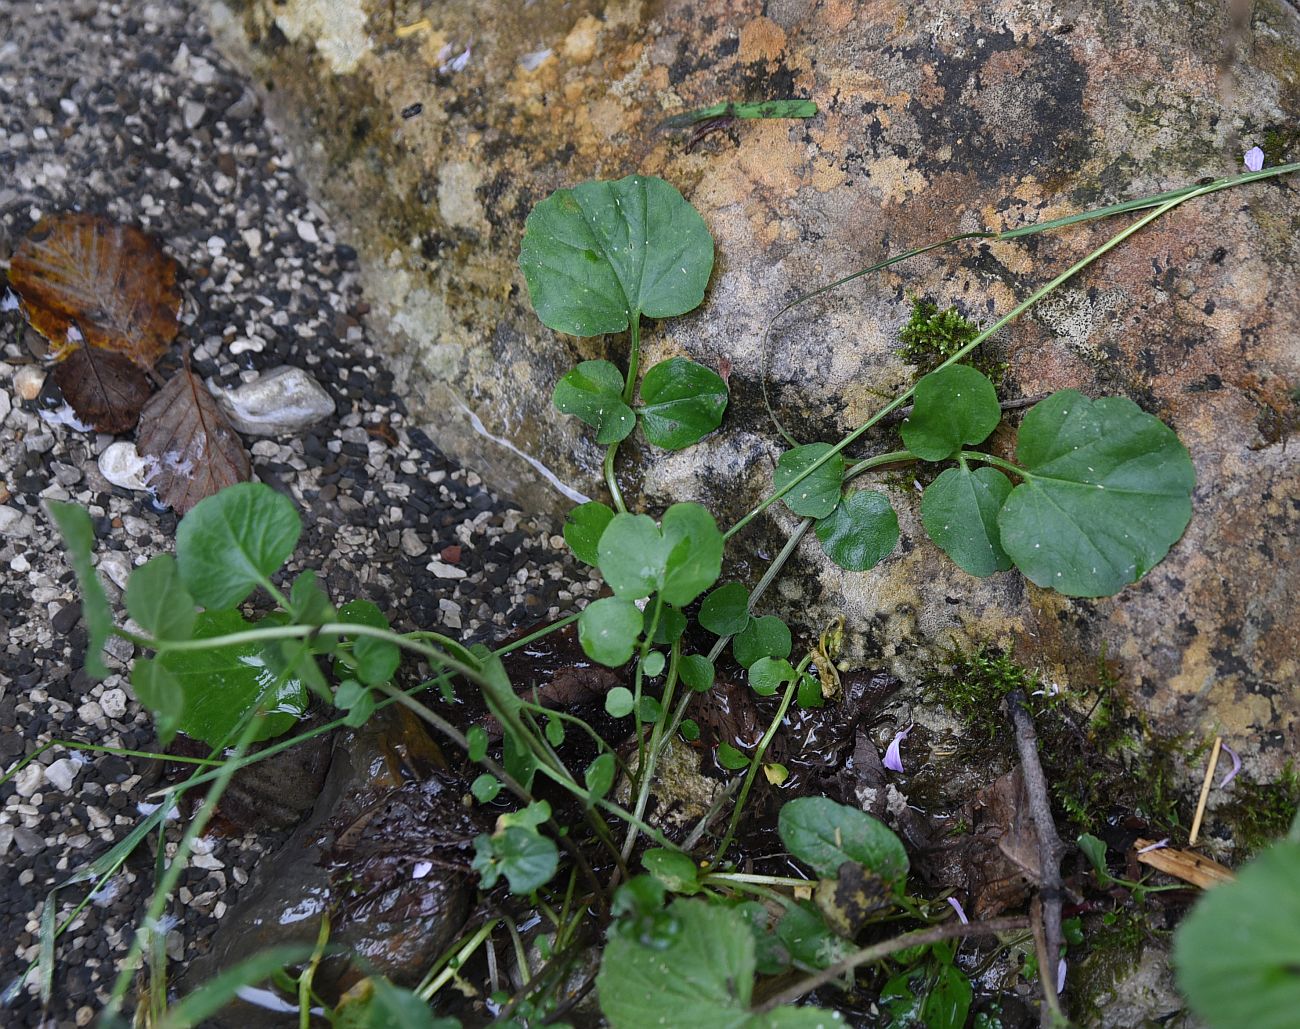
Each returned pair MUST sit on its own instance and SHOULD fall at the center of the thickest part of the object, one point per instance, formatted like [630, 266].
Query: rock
[283, 400]
[62, 774]
[123, 465]
[6, 405]
[934, 119]
[28, 381]
[307, 231]
[192, 113]
[113, 703]
[116, 565]
[29, 780]
[412, 545]
[29, 843]
[14, 523]
[446, 571]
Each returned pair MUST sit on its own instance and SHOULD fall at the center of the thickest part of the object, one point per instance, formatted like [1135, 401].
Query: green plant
[1097, 494]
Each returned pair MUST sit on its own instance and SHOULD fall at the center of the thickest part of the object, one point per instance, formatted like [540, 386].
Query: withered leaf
[81, 277]
[197, 451]
[104, 388]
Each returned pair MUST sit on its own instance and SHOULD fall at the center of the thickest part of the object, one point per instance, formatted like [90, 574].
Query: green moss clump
[1279, 144]
[932, 336]
[976, 689]
[1261, 813]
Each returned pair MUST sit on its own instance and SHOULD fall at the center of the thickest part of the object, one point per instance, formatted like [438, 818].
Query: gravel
[127, 110]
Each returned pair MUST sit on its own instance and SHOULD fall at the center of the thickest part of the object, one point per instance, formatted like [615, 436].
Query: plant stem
[867, 464]
[880, 951]
[996, 462]
[629, 389]
[1179, 197]
[451, 963]
[647, 771]
[757, 760]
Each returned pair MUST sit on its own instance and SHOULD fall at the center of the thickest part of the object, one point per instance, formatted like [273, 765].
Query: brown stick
[879, 951]
[1050, 851]
[1205, 791]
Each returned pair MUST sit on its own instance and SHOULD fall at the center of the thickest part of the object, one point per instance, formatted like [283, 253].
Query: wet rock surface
[935, 118]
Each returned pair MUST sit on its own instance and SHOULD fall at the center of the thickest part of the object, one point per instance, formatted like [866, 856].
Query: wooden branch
[1050, 852]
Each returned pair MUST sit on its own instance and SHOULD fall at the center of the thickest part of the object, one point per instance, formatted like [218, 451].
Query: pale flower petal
[1158, 845]
[1236, 766]
[1254, 159]
[961, 912]
[893, 758]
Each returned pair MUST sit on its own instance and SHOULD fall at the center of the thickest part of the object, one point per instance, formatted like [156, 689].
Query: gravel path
[127, 110]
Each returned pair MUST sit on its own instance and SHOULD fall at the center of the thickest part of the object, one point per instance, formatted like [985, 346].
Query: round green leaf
[219, 686]
[599, 776]
[158, 690]
[683, 402]
[599, 254]
[1237, 953]
[1107, 492]
[608, 629]
[653, 663]
[951, 407]
[861, 532]
[649, 710]
[583, 528]
[619, 702]
[231, 542]
[767, 636]
[725, 611]
[672, 623]
[156, 599]
[696, 671]
[732, 758]
[672, 868]
[960, 513]
[768, 674]
[485, 788]
[824, 834]
[478, 743]
[522, 854]
[592, 392]
[631, 555]
[694, 548]
[690, 730]
[817, 495]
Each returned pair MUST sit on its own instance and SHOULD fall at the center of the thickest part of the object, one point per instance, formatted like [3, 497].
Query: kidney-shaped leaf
[861, 532]
[584, 526]
[631, 555]
[816, 495]
[608, 630]
[1107, 492]
[229, 544]
[960, 512]
[694, 552]
[599, 254]
[953, 406]
[684, 402]
[197, 452]
[82, 277]
[823, 835]
[1237, 953]
[221, 685]
[593, 392]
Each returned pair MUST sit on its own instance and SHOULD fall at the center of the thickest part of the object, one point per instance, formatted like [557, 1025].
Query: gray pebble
[284, 400]
[29, 842]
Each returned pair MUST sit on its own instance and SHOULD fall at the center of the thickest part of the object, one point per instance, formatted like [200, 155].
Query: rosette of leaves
[597, 258]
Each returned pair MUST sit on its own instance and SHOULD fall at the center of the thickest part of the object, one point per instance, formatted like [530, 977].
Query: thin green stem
[756, 762]
[629, 390]
[996, 462]
[450, 963]
[647, 772]
[611, 480]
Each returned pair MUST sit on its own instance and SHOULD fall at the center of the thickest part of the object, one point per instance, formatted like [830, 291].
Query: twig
[1205, 791]
[878, 951]
[1050, 851]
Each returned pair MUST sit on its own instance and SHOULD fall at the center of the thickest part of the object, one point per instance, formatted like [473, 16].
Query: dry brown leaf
[197, 451]
[104, 388]
[1186, 865]
[111, 282]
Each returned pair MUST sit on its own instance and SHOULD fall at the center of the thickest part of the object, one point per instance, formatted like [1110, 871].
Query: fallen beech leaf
[1185, 865]
[197, 451]
[104, 388]
[111, 282]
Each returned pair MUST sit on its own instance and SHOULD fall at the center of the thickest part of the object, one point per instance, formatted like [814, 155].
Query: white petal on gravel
[446, 571]
[122, 465]
[283, 400]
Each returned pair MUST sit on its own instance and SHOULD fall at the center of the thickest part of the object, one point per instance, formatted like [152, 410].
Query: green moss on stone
[1261, 813]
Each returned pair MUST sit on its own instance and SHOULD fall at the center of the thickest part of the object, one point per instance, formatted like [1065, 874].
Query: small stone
[29, 842]
[113, 703]
[14, 523]
[116, 565]
[307, 232]
[451, 554]
[284, 400]
[247, 344]
[29, 780]
[192, 113]
[28, 381]
[122, 465]
[85, 1015]
[6, 839]
[91, 713]
[62, 774]
[412, 545]
[446, 571]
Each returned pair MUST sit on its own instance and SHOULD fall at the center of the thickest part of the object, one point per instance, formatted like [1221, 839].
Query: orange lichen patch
[761, 39]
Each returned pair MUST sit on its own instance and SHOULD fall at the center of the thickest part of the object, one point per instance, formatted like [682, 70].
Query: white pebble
[29, 780]
[113, 703]
[446, 571]
[307, 232]
[122, 465]
[62, 774]
[28, 381]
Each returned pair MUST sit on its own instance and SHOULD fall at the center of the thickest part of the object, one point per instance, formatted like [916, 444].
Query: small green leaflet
[583, 528]
[230, 543]
[603, 253]
[861, 532]
[817, 495]
[824, 834]
[159, 691]
[672, 868]
[523, 855]
[1237, 953]
[768, 674]
[759, 109]
[960, 513]
[731, 758]
[682, 403]
[618, 702]
[767, 636]
[608, 630]
[953, 406]
[156, 599]
[725, 611]
[79, 537]
[599, 777]
[376, 659]
[679, 559]
[1107, 492]
[593, 392]
[220, 686]
[696, 671]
